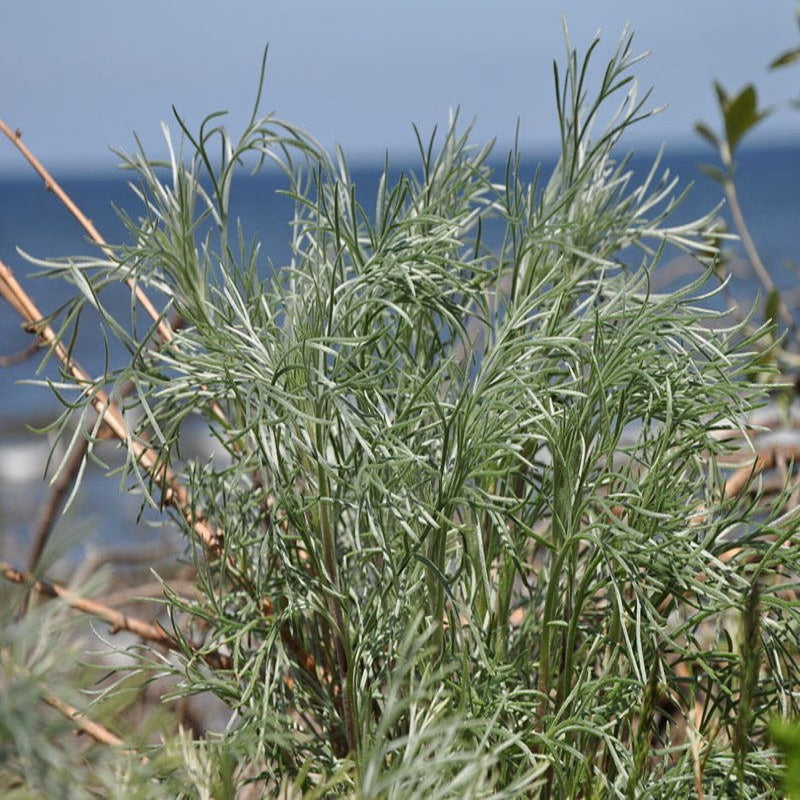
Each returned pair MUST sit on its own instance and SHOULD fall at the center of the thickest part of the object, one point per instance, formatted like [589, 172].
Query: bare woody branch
[118, 620]
[174, 493]
[97, 731]
[51, 185]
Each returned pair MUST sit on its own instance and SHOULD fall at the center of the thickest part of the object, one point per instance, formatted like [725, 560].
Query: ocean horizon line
[70, 171]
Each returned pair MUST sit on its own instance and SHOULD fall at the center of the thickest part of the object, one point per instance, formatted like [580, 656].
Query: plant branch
[118, 620]
[747, 240]
[19, 357]
[98, 732]
[173, 492]
[49, 507]
[50, 184]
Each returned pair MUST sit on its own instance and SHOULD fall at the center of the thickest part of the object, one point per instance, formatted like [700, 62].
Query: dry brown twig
[100, 733]
[165, 331]
[50, 507]
[20, 357]
[64, 480]
[97, 731]
[47, 516]
[174, 493]
[52, 186]
[118, 620]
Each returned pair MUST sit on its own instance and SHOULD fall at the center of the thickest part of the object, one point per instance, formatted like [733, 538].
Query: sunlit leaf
[741, 114]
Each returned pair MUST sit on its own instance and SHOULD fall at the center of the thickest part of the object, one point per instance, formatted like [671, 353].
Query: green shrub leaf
[740, 113]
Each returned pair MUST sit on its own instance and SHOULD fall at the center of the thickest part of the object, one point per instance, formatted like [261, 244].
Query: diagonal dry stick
[93, 729]
[19, 357]
[97, 731]
[118, 620]
[64, 480]
[52, 186]
[49, 508]
[61, 484]
[174, 493]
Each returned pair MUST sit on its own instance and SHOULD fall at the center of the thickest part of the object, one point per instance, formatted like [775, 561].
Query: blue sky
[80, 77]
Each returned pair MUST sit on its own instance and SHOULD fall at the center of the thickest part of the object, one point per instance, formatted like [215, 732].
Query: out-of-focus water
[33, 220]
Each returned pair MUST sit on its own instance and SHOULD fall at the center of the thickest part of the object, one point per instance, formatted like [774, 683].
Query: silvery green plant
[472, 516]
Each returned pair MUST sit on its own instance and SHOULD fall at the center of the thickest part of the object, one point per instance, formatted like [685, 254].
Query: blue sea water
[33, 220]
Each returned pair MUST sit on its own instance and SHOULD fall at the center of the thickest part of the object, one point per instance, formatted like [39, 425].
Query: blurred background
[80, 78]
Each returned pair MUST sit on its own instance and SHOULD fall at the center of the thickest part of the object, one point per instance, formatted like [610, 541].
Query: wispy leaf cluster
[475, 539]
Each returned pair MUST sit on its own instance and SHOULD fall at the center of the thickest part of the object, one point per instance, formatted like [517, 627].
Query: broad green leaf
[703, 130]
[784, 59]
[772, 311]
[741, 114]
[715, 173]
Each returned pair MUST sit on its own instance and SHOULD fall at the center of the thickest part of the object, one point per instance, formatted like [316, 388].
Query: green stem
[436, 553]
[749, 245]
[341, 640]
[751, 249]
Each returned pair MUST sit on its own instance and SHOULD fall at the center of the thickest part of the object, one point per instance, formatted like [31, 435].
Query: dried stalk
[49, 509]
[174, 493]
[765, 459]
[97, 731]
[19, 357]
[65, 479]
[752, 251]
[52, 186]
[118, 620]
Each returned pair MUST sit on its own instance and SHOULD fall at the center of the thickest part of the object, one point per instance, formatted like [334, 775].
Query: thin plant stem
[118, 620]
[50, 507]
[165, 331]
[174, 492]
[19, 357]
[340, 632]
[752, 251]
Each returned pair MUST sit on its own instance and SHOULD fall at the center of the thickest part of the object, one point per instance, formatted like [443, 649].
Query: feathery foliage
[473, 534]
